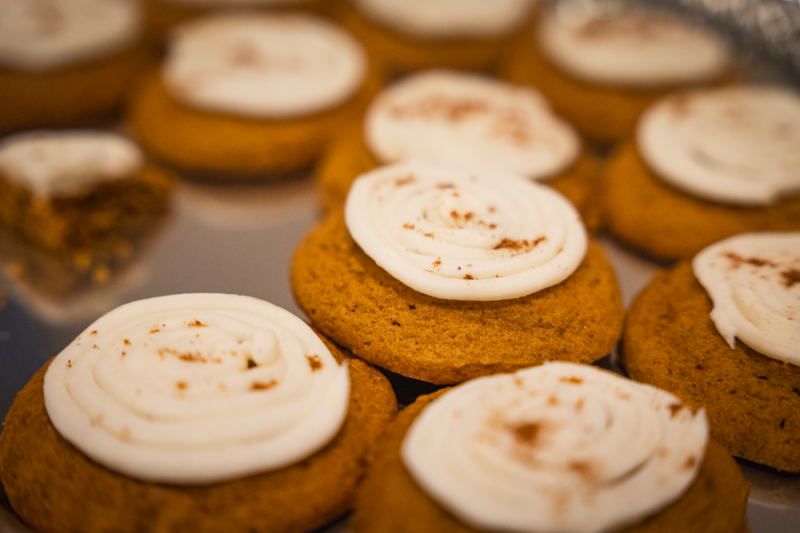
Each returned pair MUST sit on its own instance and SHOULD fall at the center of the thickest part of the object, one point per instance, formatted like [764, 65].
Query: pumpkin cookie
[251, 94]
[208, 412]
[66, 62]
[559, 447]
[454, 118]
[602, 70]
[444, 275]
[731, 347]
[410, 35]
[706, 165]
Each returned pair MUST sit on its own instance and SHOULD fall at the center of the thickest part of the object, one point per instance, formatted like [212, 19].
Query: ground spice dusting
[674, 409]
[126, 342]
[526, 434]
[523, 245]
[181, 385]
[93, 333]
[154, 330]
[437, 263]
[445, 186]
[196, 324]
[259, 386]
[314, 362]
[573, 379]
[188, 357]
[439, 106]
[399, 182]
[468, 277]
[790, 277]
[408, 226]
[737, 260]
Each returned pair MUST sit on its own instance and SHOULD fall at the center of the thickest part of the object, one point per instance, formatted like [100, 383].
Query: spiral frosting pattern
[458, 235]
[197, 388]
[753, 280]
[555, 448]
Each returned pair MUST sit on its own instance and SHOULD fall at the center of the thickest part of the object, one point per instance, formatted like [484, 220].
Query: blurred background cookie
[409, 35]
[602, 63]
[66, 62]
[249, 94]
[705, 165]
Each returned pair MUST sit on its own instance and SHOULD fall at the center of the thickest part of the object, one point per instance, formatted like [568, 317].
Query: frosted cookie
[251, 93]
[705, 165]
[86, 200]
[163, 15]
[443, 275]
[601, 69]
[66, 62]
[467, 120]
[722, 332]
[559, 447]
[408, 35]
[203, 411]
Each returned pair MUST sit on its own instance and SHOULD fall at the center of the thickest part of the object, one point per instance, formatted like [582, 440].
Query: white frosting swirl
[197, 388]
[448, 19]
[555, 448]
[263, 66]
[470, 121]
[47, 34]
[52, 163]
[461, 235]
[632, 48]
[734, 145]
[753, 280]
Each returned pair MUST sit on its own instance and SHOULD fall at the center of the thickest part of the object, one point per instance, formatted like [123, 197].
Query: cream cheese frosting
[263, 66]
[634, 48]
[197, 388]
[735, 145]
[47, 34]
[443, 19]
[53, 163]
[460, 235]
[753, 280]
[472, 121]
[555, 448]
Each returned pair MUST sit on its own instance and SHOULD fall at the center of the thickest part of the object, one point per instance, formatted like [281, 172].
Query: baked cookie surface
[752, 400]
[55, 487]
[389, 494]
[352, 300]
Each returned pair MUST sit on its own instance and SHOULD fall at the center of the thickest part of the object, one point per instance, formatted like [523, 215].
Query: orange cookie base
[54, 487]
[348, 297]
